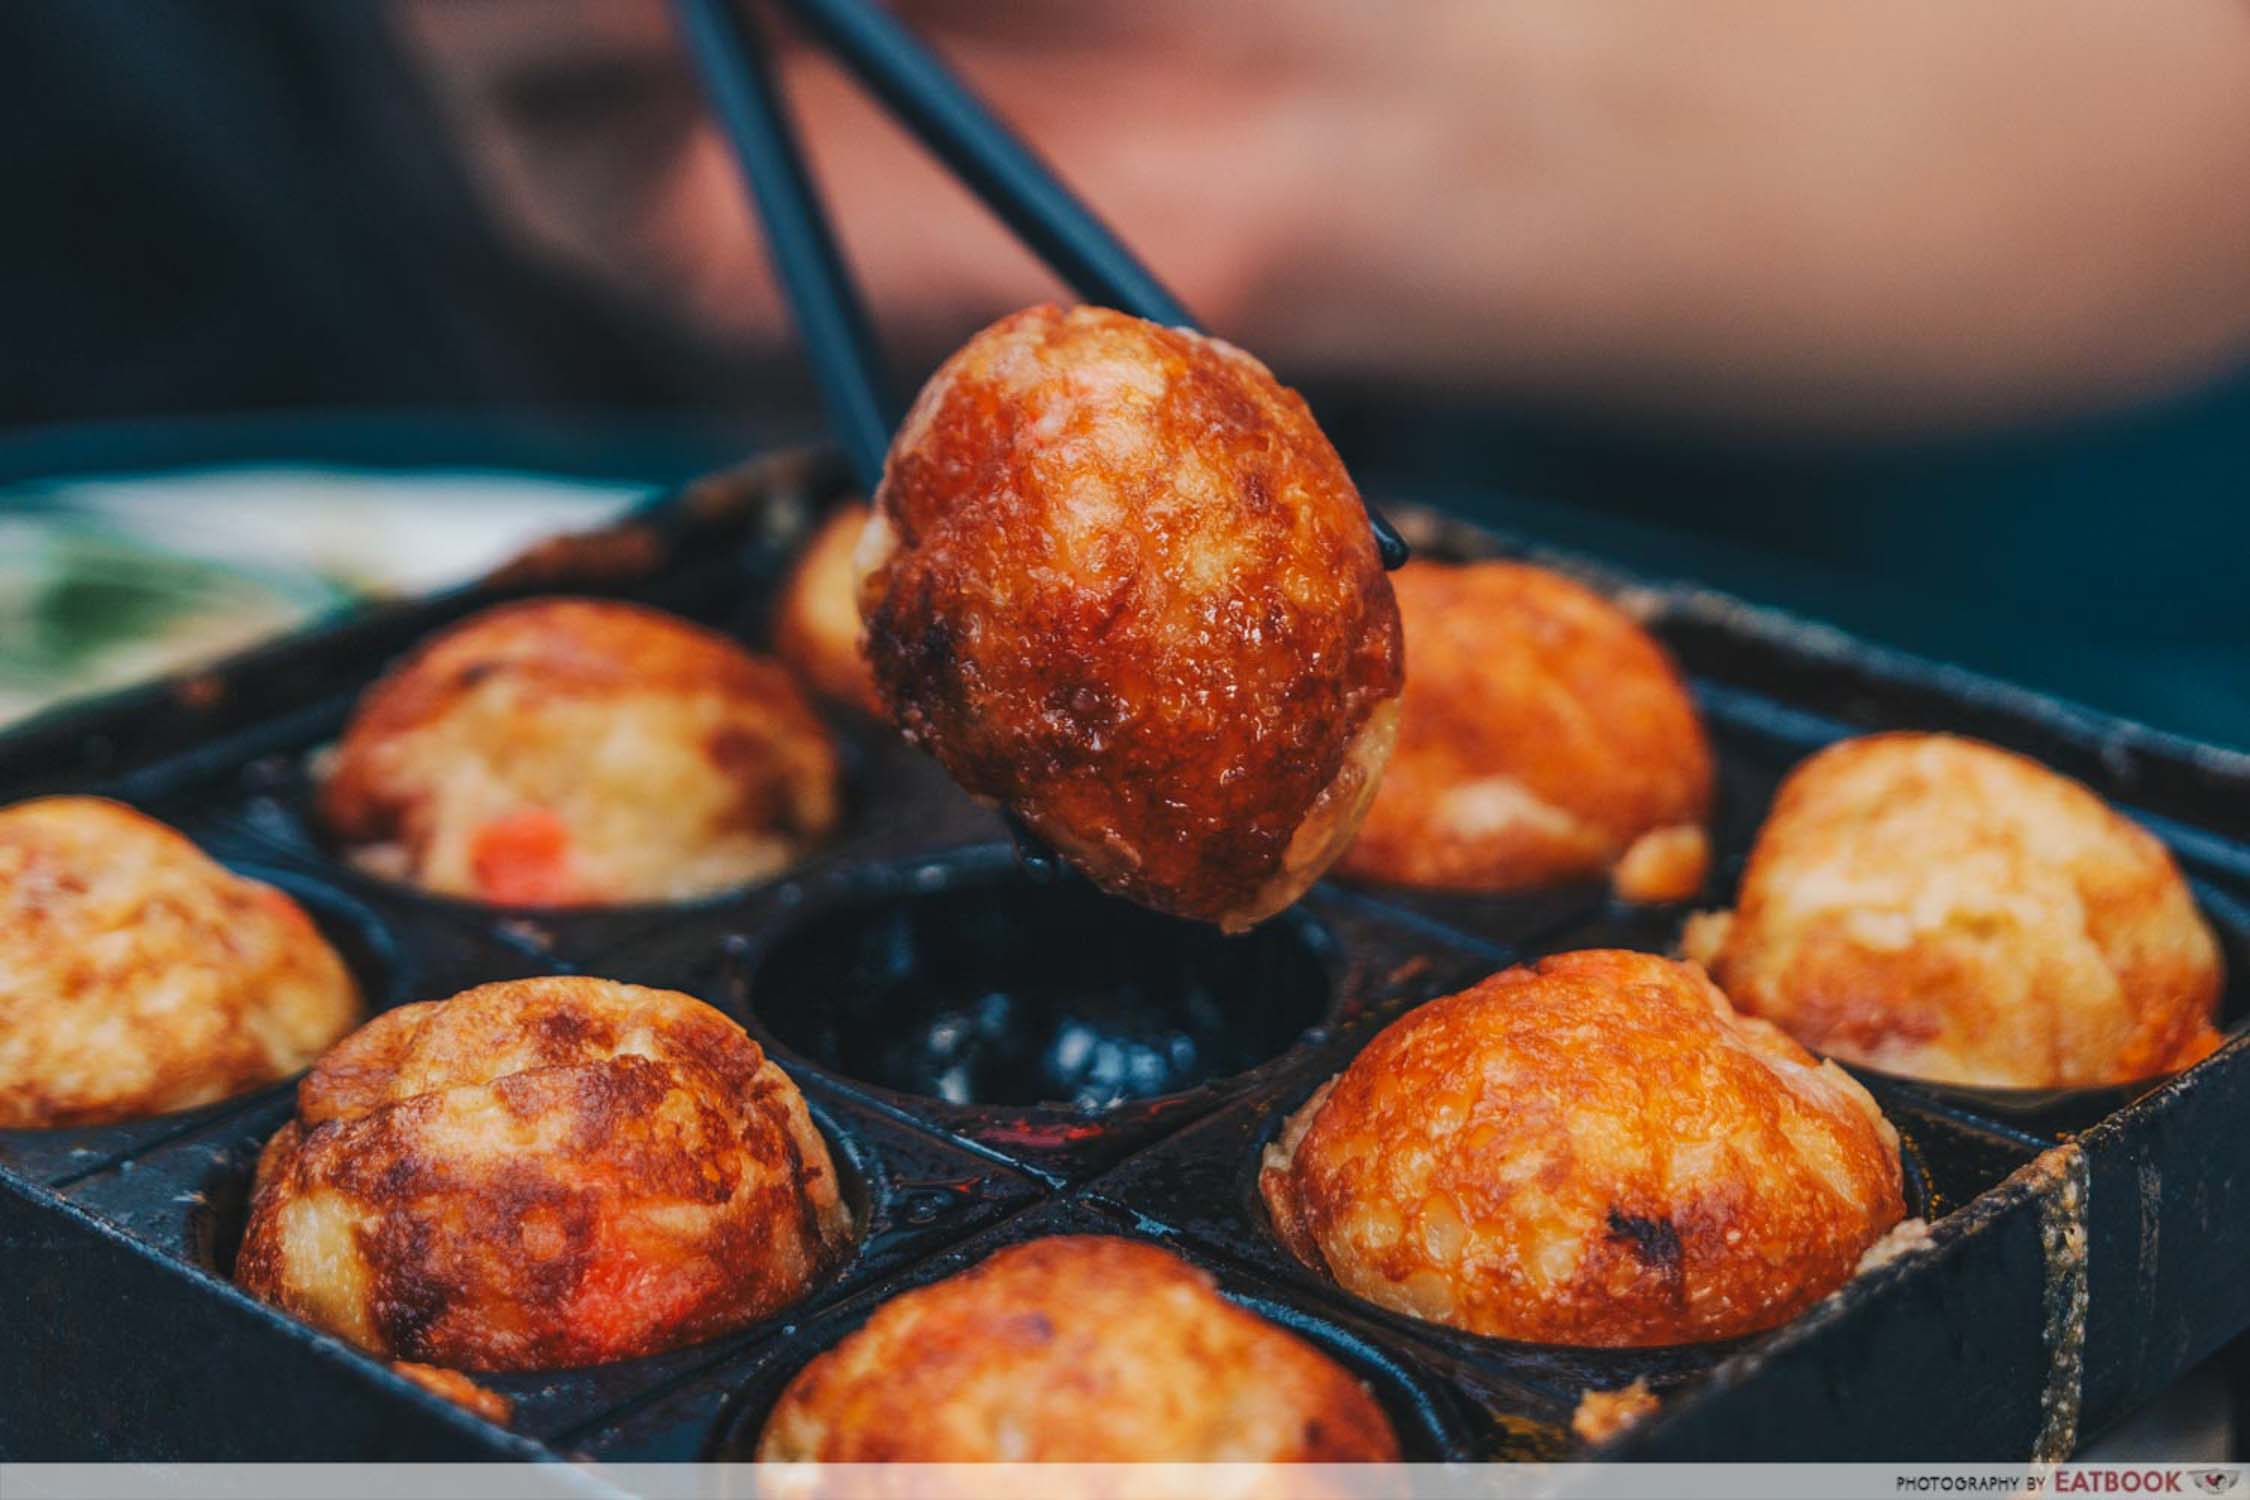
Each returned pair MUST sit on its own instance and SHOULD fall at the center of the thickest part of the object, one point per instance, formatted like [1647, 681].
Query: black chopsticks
[738, 77]
[925, 96]
[1020, 189]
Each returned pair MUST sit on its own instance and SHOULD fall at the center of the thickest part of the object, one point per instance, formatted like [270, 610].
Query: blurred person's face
[1759, 210]
[583, 124]
[1207, 137]
[587, 129]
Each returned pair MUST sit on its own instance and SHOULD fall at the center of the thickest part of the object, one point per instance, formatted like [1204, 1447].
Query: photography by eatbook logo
[2118, 1479]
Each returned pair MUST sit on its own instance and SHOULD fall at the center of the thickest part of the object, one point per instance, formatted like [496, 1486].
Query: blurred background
[1931, 320]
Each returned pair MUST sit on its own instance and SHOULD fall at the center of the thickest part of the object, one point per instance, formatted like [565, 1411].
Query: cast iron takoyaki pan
[994, 1058]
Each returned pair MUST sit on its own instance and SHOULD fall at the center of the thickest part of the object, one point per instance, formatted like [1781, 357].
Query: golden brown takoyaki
[1937, 907]
[816, 626]
[1592, 1149]
[1119, 581]
[542, 1173]
[575, 751]
[139, 976]
[1543, 736]
[1074, 1349]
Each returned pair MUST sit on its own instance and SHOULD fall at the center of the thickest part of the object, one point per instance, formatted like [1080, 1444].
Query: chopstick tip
[1389, 545]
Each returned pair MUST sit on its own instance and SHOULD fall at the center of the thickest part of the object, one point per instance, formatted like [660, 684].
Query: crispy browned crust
[816, 626]
[1120, 582]
[511, 711]
[1591, 1150]
[1939, 907]
[137, 976]
[539, 1174]
[1074, 1349]
[596, 647]
[1542, 732]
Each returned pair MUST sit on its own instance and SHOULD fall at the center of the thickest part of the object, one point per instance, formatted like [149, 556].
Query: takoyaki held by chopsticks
[1592, 1149]
[1543, 737]
[139, 976]
[569, 752]
[1118, 581]
[542, 1173]
[1074, 1349]
[1938, 907]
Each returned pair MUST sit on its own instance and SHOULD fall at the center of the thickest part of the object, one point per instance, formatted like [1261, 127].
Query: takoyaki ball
[567, 752]
[539, 1174]
[1074, 1349]
[1937, 907]
[1118, 581]
[138, 976]
[1594, 1149]
[816, 627]
[1543, 737]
